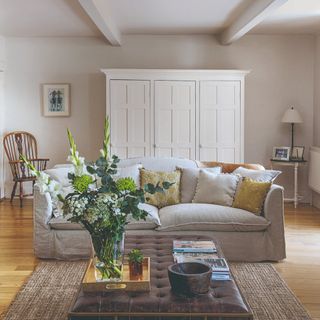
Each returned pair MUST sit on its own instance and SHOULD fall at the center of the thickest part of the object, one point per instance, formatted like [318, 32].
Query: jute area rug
[51, 288]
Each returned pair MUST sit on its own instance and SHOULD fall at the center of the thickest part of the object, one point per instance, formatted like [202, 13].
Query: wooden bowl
[190, 278]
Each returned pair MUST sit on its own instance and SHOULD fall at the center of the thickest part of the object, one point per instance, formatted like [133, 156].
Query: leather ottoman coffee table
[223, 301]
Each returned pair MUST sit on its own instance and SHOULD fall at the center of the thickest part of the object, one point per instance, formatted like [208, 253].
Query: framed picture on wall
[281, 153]
[55, 99]
[297, 153]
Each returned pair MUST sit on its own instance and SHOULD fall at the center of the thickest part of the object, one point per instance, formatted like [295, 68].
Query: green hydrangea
[126, 184]
[81, 183]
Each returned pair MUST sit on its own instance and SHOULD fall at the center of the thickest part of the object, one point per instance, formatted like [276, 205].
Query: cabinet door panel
[120, 131]
[208, 154]
[130, 118]
[175, 118]
[226, 127]
[226, 155]
[220, 121]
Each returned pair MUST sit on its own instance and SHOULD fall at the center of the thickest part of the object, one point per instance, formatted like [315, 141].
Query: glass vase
[108, 260]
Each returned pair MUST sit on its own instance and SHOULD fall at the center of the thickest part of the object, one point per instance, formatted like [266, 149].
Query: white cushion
[258, 175]
[189, 180]
[129, 172]
[216, 188]
[199, 216]
[152, 220]
[60, 174]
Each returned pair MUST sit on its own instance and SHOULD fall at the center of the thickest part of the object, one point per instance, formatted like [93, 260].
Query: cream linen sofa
[242, 235]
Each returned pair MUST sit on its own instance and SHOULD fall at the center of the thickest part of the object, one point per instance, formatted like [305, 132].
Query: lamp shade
[291, 116]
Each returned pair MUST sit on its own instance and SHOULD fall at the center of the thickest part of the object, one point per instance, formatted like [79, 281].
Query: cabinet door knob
[154, 145]
[200, 145]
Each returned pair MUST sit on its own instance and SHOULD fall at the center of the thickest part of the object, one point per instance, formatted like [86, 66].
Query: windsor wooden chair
[22, 143]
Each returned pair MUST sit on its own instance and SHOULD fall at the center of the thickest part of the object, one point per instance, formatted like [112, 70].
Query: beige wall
[316, 119]
[282, 74]
[2, 67]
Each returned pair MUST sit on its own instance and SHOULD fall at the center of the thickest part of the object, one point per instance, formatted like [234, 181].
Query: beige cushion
[189, 180]
[216, 189]
[61, 223]
[198, 216]
[258, 175]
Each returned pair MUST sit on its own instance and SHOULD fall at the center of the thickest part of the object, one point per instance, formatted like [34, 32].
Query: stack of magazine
[203, 251]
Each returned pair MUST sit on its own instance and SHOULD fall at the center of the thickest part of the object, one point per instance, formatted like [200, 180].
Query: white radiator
[314, 169]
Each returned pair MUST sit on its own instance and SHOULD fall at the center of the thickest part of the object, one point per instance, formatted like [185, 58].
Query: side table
[295, 164]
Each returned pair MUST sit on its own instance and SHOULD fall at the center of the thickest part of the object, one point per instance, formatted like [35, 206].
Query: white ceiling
[67, 17]
[174, 16]
[52, 18]
[295, 17]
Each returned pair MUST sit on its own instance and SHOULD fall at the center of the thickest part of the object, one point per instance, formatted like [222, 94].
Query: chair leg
[13, 193]
[21, 194]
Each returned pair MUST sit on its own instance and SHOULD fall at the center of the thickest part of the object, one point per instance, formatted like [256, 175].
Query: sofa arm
[42, 209]
[274, 212]
[273, 205]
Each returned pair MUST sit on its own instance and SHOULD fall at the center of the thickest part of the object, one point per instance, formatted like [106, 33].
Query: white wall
[282, 74]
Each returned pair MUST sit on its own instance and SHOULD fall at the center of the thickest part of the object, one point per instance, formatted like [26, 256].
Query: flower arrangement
[99, 202]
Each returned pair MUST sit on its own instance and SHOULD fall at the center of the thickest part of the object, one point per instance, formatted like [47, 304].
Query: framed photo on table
[55, 99]
[297, 153]
[281, 153]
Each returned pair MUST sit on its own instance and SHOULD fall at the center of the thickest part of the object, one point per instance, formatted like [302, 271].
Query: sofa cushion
[152, 221]
[251, 195]
[199, 216]
[168, 196]
[228, 167]
[216, 188]
[60, 174]
[62, 223]
[130, 172]
[258, 175]
[189, 180]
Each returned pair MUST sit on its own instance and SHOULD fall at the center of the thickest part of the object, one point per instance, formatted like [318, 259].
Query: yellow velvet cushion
[168, 197]
[250, 195]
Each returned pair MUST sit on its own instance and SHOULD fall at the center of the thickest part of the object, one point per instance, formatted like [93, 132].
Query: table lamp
[291, 116]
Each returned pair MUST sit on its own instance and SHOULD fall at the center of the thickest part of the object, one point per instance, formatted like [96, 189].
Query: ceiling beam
[98, 11]
[249, 18]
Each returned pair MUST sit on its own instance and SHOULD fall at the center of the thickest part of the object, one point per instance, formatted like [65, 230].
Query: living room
[271, 48]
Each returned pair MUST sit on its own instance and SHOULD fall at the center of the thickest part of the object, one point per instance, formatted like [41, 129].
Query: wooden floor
[301, 269]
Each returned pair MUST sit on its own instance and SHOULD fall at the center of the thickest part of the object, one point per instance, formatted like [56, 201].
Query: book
[220, 268]
[218, 264]
[179, 257]
[202, 246]
[221, 276]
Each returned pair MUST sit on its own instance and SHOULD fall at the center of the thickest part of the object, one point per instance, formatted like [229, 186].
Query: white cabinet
[174, 121]
[196, 114]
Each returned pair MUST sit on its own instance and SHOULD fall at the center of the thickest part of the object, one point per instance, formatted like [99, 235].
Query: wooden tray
[89, 283]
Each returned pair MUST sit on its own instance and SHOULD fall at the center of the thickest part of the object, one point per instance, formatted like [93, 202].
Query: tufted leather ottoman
[224, 300]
